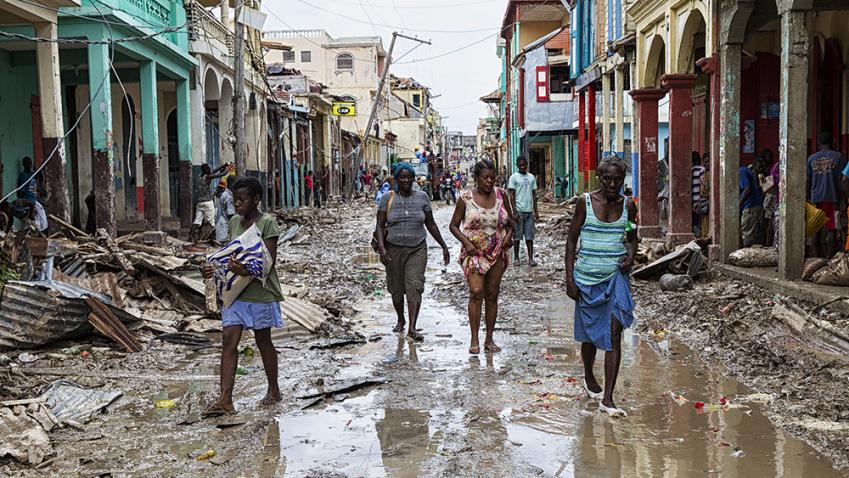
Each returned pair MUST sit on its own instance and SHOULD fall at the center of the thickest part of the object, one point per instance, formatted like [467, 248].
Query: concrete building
[349, 67]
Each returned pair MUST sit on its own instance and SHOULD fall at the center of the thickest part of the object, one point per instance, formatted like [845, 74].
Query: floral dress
[488, 230]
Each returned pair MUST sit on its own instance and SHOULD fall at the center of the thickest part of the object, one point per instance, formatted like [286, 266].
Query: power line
[422, 7]
[358, 20]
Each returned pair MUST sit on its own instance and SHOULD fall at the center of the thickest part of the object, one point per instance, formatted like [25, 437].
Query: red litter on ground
[699, 405]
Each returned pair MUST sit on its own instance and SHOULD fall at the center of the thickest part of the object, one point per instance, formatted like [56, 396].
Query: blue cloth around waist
[252, 315]
[597, 304]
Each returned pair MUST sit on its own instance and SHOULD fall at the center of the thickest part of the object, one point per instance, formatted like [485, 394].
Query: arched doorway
[173, 164]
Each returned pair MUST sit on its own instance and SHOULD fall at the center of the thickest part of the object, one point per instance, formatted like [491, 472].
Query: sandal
[593, 395]
[612, 411]
[216, 410]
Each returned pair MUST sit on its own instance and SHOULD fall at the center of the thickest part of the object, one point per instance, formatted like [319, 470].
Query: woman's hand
[572, 289]
[446, 256]
[237, 268]
[626, 263]
[470, 248]
[208, 271]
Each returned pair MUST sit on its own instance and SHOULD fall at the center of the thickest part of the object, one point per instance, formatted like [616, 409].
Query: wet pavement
[521, 412]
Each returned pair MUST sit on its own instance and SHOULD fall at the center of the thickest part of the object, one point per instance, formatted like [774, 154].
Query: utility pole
[241, 147]
[371, 116]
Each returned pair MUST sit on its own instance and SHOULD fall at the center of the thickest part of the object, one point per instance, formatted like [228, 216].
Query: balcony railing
[204, 28]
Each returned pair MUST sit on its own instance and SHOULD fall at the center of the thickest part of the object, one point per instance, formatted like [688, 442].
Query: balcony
[207, 34]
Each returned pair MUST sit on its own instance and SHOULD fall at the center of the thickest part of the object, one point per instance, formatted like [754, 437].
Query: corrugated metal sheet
[32, 315]
[303, 313]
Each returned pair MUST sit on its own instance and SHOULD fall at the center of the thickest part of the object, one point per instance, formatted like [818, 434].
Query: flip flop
[612, 411]
[593, 395]
[216, 412]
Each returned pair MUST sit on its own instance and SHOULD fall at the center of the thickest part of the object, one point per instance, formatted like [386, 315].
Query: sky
[461, 78]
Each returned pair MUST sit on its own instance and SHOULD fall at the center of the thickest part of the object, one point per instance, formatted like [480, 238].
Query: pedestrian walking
[257, 308]
[482, 222]
[824, 190]
[752, 222]
[316, 189]
[226, 210]
[523, 195]
[604, 222]
[308, 187]
[205, 210]
[402, 217]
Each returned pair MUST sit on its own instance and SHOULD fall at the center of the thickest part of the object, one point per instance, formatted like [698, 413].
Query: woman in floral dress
[483, 226]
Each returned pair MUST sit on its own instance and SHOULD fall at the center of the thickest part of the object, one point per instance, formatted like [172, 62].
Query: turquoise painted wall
[19, 85]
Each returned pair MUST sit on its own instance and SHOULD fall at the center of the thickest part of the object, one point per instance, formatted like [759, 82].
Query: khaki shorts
[405, 274]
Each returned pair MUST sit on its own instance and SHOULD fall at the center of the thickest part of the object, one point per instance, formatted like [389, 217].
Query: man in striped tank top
[596, 276]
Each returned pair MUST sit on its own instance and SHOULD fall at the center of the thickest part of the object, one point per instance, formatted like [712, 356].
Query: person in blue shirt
[28, 181]
[823, 188]
[752, 220]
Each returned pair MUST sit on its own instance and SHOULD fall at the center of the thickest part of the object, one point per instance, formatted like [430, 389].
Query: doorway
[173, 165]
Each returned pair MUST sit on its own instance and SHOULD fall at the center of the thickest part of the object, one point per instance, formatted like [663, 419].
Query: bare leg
[831, 243]
[588, 351]
[399, 311]
[492, 287]
[531, 260]
[229, 361]
[269, 363]
[413, 310]
[476, 296]
[611, 362]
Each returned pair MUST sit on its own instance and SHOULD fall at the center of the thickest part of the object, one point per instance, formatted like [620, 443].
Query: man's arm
[534, 194]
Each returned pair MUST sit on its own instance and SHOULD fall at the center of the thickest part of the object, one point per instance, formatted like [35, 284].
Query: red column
[582, 144]
[680, 157]
[646, 108]
[711, 67]
[592, 145]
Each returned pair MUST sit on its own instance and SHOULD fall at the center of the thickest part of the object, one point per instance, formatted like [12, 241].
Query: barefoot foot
[399, 327]
[219, 408]
[491, 347]
[272, 397]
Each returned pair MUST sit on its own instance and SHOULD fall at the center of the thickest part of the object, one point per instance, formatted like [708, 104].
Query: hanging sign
[344, 109]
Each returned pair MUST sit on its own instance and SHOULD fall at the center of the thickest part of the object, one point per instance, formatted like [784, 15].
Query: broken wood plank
[345, 387]
[158, 251]
[105, 321]
[70, 227]
[25, 401]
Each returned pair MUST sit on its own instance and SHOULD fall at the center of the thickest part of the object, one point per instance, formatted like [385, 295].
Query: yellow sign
[344, 109]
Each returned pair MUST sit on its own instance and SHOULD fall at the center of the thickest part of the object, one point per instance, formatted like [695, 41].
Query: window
[345, 62]
[288, 57]
[417, 100]
[560, 79]
[306, 56]
[542, 84]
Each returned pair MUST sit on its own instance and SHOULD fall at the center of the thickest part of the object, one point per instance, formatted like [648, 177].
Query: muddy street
[361, 401]
[521, 412]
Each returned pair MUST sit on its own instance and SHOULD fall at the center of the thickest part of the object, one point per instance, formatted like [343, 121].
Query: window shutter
[542, 84]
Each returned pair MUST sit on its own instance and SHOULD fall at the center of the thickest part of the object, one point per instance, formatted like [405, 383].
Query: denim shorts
[252, 315]
[525, 226]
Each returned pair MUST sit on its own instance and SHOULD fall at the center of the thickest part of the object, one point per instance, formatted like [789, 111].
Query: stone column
[793, 142]
[619, 113]
[646, 110]
[605, 113]
[680, 228]
[50, 97]
[729, 149]
[582, 142]
[592, 145]
[150, 145]
[100, 94]
[711, 67]
[184, 148]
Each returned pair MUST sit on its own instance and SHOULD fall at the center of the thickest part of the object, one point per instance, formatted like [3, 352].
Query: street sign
[344, 109]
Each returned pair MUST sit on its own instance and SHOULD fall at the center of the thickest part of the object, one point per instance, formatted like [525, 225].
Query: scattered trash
[206, 455]
[687, 259]
[699, 405]
[241, 370]
[247, 351]
[23, 437]
[167, 404]
[27, 357]
[728, 309]
[738, 454]
[190, 339]
[675, 282]
[70, 401]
